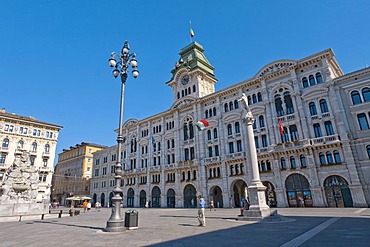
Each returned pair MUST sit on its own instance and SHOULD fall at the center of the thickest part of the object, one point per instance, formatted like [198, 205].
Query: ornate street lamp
[125, 60]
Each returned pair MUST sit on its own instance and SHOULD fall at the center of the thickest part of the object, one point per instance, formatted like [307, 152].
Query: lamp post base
[114, 226]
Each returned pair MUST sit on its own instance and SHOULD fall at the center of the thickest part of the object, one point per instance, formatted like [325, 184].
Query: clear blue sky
[54, 54]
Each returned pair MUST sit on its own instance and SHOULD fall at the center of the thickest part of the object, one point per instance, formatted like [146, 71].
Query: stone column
[256, 190]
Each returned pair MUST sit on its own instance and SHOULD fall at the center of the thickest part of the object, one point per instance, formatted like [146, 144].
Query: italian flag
[201, 124]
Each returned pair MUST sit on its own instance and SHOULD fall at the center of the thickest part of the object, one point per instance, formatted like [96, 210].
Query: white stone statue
[248, 116]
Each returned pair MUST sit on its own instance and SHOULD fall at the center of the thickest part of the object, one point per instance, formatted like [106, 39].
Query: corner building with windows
[311, 132]
[20, 133]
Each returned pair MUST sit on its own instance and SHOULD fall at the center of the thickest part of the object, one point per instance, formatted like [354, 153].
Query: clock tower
[193, 76]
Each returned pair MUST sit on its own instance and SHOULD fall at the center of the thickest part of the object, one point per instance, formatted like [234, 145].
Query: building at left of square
[27, 155]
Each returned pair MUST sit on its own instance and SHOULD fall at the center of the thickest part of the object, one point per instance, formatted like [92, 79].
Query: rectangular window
[45, 162]
[317, 130]
[217, 152]
[239, 145]
[362, 121]
[104, 171]
[329, 128]
[2, 158]
[96, 172]
[231, 147]
[264, 141]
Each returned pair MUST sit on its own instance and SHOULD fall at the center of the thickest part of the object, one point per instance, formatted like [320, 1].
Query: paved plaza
[178, 227]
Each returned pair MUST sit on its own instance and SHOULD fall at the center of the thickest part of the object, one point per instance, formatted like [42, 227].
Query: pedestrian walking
[212, 205]
[84, 206]
[201, 214]
[88, 206]
[97, 206]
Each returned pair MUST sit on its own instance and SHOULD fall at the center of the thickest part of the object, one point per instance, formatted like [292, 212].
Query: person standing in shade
[201, 215]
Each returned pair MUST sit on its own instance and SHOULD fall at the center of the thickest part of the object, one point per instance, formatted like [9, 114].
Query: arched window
[292, 162]
[215, 133]
[229, 129]
[283, 163]
[209, 137]
[20, 144]
[194, 174]
[368, 151]
[249, 100]
[279, 106]
[302, 159]
[47, 148]
[231, 170]
[231, 106]
[304, 82]
[312, 107]
[214, 111]
[237, 127]
[210, 113]
[194, 89]
[288, 103]
[356, 99]
[178, 95]
[312, 80]
[337, 158]
[254, 98]
[323, 106]
[261, 121]
[318, 78]
[263, 166]
[329, 157]
[366, 94]
[191, 130]
[206, 113]
[5, 143]
[362, 121]
[322, 159]
[226, 106]
[186, 132]
[259, 97]
[183, 176]
[34, 146]
[236, 104]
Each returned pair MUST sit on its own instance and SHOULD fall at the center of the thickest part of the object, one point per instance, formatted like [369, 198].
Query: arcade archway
[130, 197]
[298, 191]
[170, 198]
[142, 198]
[337, 192]
[190, 197]
[156, 197]
[216, 195]
[270, 194]
[240, 192]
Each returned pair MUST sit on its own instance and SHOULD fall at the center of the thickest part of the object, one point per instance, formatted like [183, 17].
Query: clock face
[185, 79]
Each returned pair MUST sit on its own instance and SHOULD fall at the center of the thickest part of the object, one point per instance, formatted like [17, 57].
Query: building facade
[39, 139]
[73, 172]
[311, 132]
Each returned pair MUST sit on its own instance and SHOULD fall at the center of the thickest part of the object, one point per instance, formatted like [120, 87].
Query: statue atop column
[248, 116]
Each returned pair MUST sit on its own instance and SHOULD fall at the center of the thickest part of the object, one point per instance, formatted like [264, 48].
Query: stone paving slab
[178, 227]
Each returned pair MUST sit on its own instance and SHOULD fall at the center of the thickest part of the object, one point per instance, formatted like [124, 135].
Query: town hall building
[311, 133]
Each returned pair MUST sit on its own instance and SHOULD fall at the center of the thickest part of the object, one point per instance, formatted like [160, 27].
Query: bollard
[42, 216]
[60, 214]
[20, 217]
